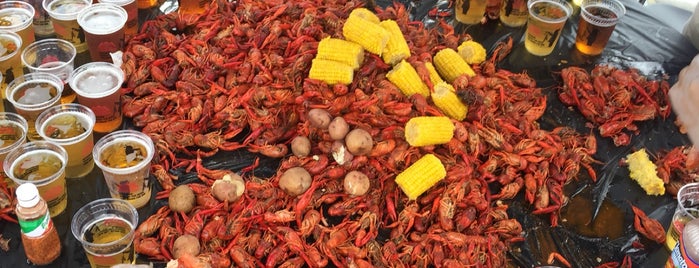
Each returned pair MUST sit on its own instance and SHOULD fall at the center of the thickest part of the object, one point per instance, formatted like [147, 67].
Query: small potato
[229, 188]
[301, 146]
[295, 181]
[356, 183]
[338, 128]
[319, 118]
[359, 142]
[340, 153]
[181, 199]
[186, 244]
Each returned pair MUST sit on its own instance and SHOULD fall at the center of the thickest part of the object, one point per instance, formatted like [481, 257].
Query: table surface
[641, 40]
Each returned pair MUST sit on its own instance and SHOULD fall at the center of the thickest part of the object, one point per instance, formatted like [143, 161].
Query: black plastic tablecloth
[641, 40]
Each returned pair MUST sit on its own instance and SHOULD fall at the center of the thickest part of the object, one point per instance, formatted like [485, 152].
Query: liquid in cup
[13, 133]
[598, 18]
[193, 6]
[469, 11]
[18, 17]
[544, 26]
[32, 94]
[43, 28]
[687, 210]
[124, 157]
[55, 56]
[131, 27]
[105, 228]
[10, 62]
[70, 126]
[514, 13]
[64, 16]
[42, 163]
[104, 30]
[98, 85]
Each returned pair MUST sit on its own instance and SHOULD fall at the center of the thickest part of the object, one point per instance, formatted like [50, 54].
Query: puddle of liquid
[577, 217]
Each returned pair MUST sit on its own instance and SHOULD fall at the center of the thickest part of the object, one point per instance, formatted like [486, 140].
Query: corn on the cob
[472, 52]
[643, 171]
[344, 51]
[429, 130]
[369, 35]
[434, 76]
[405, 77]
[331, 72]
[421, 175]
[365, 14]
[397, 48]
[448, 102]
[450, 65]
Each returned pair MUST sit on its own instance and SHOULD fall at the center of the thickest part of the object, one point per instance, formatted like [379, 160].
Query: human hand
[684, 98]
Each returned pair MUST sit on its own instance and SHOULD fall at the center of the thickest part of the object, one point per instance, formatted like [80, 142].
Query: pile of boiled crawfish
[234, 78]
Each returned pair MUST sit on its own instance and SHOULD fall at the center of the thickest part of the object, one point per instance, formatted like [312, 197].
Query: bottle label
[680, 258]
[35, 228]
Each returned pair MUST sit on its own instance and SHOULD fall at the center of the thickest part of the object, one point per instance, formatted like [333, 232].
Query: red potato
[295, 181]
[359, 142]
[301, 146]
[338, 128]
[186, 244]
[319, 118]
[229, 188]
[356, 183]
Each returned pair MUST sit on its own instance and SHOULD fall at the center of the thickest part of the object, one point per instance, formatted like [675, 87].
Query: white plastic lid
[27, 195]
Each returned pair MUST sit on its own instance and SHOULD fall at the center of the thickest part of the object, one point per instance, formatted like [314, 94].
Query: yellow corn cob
[429, 130]
[344, 51]
[405, 77]
[450, 65]
[446, 100]
[397, 48]
[472, 52]
[643, 171]
[332, 72]
[369, 35]
[434, 76]
[365, 14]
[421, 175]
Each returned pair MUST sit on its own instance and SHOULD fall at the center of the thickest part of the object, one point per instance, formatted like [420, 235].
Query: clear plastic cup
[10, 62]
[131, 8]
[64, 16]
[20, 16]
[598, 18]
[687, 210]
[13, 133]
[98, 86]
[469, 11]
[545, 24]
[32, 94]
[56, 56]
[70, 125]
[104, 29]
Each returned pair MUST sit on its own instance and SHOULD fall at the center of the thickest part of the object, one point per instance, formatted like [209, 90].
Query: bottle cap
[27, 195]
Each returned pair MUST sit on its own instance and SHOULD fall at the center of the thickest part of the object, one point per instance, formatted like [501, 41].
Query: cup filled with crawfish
[598, 18]
[64, 16]
[13, 133]
[42, 163]
[105, 228]
[546, 21]
[70, 125]
[56, 56]
[33, 93]
[104, 29]
[98, 85]
[124, 157]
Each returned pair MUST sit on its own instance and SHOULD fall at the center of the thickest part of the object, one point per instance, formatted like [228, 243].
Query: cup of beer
[56, 56]
[10, 62]
[98, 85]
[33, 93]
[42, 163]
[131, 8]
[13, 133]
[597, 22]
[469, 11]
[70, 125]
[104, 29]
[124, 157]
[514, 13]
[105, 228]
[18, 17]
[544, 26]
[64, 16]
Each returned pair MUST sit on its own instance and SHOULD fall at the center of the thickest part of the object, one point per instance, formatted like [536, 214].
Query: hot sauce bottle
[39, 236]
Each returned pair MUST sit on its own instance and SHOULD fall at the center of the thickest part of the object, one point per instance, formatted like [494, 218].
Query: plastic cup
[56, 56]
[98, 86]
[64, 16]
[687, 210]
[514, 13]
[131, 27]
[33, 93]
[10, 62]
[104, 29]
[13, 133]
[469, 11]
[597, 22]
[105, 228]
[20, 17]
[544, 26]
[42, 163]
[70, 125]
[43, 28]
[124, 157]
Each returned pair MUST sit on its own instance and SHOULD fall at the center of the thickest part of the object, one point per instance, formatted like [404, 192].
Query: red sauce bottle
[39, 236]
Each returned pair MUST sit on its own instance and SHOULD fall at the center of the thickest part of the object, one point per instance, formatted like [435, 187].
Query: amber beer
[98, 87]
[104, 29]
[513, 13]
[13, 133]
[131, 27]
[32, 94]
[544, 26]
[70, 126]
[18, 17]
[193, 6]
[469, 11]
[598, 20]
[10, 59]
[64, 14]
